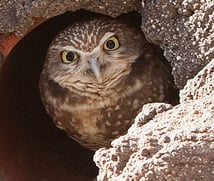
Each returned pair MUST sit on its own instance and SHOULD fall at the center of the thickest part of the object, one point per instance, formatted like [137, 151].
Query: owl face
[96, 53]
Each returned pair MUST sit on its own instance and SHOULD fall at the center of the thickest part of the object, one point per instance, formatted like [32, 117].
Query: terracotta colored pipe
[8, 44]
[11, 39]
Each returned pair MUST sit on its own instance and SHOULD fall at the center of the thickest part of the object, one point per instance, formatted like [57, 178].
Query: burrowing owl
[96, 77]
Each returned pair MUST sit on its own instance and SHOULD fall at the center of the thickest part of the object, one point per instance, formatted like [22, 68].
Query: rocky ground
[165, 142]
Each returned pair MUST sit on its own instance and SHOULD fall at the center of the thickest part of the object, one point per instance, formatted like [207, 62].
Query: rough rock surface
[165, 142]
[201, 86]
[18, 15]
[184, 29]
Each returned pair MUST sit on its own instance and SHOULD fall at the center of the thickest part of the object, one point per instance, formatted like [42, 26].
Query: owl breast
[96, 118]
[94, 121]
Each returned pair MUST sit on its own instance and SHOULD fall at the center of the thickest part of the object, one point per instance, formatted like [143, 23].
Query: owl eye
[68, 56]
[111, 44]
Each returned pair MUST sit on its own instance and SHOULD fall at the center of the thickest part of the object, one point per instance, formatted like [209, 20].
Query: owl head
[93, 53]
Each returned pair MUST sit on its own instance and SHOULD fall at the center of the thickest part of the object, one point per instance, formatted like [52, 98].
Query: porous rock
[165, 142]
[184, 30]
[201, 86]
[17, 16]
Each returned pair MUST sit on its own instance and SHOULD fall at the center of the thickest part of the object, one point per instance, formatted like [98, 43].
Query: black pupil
[110, 44]
[70, 56]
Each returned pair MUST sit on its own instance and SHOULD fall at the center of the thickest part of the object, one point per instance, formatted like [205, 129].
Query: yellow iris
[68, 56]
[111, 44]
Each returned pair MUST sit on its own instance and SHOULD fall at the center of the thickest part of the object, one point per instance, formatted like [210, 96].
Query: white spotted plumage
[96, 107]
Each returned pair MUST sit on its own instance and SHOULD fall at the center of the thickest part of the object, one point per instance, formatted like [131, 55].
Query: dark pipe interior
[31, 147]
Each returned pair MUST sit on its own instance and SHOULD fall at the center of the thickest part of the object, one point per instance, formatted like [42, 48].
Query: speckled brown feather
[95, 113]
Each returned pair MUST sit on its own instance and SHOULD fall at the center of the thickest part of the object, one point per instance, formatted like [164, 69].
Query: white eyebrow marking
[79, 51]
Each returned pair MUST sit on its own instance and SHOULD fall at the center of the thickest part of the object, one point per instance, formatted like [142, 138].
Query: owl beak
[95, 67]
